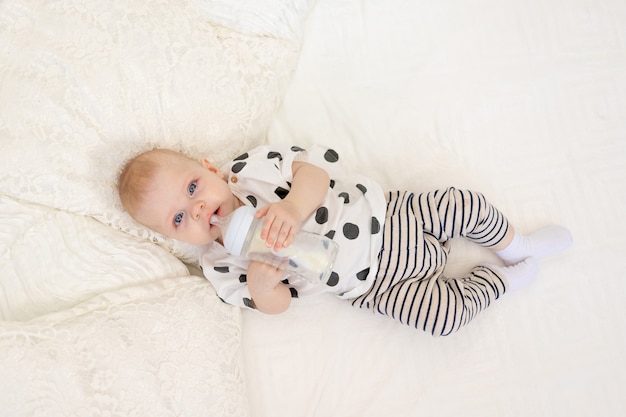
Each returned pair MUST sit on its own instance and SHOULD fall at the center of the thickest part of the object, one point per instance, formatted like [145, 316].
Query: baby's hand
[263, 277]
[270, 295]
[280, 225]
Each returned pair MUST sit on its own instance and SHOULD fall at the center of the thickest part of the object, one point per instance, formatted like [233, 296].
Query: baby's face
[182, 200]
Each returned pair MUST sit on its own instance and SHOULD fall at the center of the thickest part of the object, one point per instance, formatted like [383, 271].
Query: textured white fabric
[277, 18]
[169, 348]
[51, 260]
[86, 84]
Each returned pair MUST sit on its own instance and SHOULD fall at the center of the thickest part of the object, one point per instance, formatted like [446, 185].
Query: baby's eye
[192, 188]
[178, 219]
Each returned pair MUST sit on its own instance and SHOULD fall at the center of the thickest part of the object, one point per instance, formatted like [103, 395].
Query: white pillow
[51, 260]
[160, 349]
[87, 84]
[278, 18]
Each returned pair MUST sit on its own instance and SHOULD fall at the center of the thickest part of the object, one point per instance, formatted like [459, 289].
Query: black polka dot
[252, 199]
[346, 197]
[332, 184]
[238, 167]
[294, 292]
[333, 279]
[271, 155]
[330, 234]
[350, 231]
[331, 155]
[243, 278]
[241, 157]
[297, 149]
[375, 225]
[281, 192]
[285, 281]
[321, 215]
[248, 302]
[362, 188]
[221, 269]
[361, 276]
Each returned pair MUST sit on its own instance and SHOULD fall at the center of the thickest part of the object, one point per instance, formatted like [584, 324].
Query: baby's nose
[197, 209]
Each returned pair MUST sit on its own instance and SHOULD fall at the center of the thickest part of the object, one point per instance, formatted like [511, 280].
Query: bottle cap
[238, 225]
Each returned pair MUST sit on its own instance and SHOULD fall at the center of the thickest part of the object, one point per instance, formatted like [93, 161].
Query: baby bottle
[310, 256]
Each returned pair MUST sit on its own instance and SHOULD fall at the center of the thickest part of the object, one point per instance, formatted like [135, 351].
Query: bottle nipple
[222, 223]
[216, 220]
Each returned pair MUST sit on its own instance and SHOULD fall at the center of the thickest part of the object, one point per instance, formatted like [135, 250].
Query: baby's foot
[520, 275]
[543, 242]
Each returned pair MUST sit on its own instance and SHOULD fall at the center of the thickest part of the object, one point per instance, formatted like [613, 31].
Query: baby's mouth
[214, 219]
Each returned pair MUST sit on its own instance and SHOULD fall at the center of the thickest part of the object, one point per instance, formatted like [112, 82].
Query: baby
[392, 251]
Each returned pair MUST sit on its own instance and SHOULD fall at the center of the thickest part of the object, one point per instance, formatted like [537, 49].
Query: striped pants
[409, 286]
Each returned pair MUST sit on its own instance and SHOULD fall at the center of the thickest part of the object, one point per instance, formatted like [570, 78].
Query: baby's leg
[409, 285]
[435, 304]
[452, 213]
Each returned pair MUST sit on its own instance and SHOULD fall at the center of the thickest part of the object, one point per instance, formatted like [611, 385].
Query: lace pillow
[51, 260]
[86, 84]
[168, 348]
[278, 18]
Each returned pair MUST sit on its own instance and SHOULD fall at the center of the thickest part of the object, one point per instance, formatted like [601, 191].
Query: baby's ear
[208, 165]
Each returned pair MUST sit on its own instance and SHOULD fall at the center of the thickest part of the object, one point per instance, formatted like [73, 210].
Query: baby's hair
[137, 176]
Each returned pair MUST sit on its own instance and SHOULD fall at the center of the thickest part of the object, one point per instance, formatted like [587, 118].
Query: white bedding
[523, 100]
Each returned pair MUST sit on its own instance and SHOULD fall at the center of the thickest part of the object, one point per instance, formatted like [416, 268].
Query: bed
[523, 100]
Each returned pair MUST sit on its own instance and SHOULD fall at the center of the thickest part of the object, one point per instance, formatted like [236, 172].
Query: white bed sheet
[524, 100]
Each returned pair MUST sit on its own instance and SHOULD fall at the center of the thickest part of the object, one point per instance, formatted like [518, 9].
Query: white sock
[520, 275]
[543, 242]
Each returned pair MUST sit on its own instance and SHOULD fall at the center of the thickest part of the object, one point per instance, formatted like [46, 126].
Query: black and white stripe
[409, 285]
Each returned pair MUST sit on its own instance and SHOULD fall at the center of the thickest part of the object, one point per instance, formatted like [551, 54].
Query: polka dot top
[352, 214]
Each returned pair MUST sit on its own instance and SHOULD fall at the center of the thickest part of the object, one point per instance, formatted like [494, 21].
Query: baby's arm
[283, 219]
[281, 222]
[269, 294]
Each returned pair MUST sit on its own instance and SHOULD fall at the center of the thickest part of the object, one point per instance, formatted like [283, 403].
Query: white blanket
[523, 100]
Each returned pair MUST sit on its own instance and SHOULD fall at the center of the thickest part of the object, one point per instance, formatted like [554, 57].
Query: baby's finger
[275, 232]
[261, 211]
[282, 240]
[267, 233]
[270, 228]
[289, 238]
